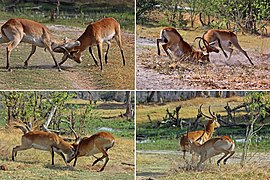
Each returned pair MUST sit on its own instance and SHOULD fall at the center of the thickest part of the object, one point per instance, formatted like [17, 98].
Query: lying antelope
[202, 135]
[19, 30]
[176, 44]
[213, 147]
[98, 143]
[95, 34]
[44, 141]
[224, 39]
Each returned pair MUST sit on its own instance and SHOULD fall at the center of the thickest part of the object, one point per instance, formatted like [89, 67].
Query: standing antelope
[44, 141]
[224, 39]
[19, 30]
[202, 135]
[213, 147]
[176, 44]
[98, 143]
[95, 34]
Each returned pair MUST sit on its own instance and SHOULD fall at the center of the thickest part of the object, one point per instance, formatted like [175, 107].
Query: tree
[259, 103]
[128, 113]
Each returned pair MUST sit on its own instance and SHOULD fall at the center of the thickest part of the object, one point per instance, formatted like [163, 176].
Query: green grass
[77, 14]
[36, 164]
[167, 138]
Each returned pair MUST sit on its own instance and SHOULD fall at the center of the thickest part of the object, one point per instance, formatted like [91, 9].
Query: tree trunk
[150, 97]
[128, 105]
[159, 97]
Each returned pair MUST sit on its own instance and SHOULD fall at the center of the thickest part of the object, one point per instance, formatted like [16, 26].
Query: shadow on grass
[44, 67]
[111, 106]
[60, 167]
[147, 174]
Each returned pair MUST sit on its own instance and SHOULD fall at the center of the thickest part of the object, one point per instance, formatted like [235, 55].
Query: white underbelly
[40, 147]
[92, 151]
[37, 41]
[109, 37]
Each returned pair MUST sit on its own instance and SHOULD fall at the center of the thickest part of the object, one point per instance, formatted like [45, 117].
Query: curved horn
[212, 114]
[203, 113]
[61, 47]
[199, 42]
[75, 134]
[204, 42]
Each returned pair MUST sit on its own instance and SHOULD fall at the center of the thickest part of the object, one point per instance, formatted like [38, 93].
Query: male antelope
[44, 141]
[202, 135]
[95, 34]
[224, 39]
[19, 30]
[98, 143]
[176, 44]
[213, 147]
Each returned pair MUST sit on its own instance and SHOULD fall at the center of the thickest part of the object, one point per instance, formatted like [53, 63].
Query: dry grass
[36, 164]
[172, 166]
[189, 108]
[41, 75]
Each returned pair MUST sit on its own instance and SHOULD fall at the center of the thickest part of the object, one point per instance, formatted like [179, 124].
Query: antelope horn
[62, 47]
[211, 112]
[203, 113]
[204, 42]
[75, 134]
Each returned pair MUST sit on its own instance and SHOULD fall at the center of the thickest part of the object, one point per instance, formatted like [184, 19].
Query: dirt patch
[159, 72]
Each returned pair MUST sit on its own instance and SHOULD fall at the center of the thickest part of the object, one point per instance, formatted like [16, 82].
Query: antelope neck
[210, 128]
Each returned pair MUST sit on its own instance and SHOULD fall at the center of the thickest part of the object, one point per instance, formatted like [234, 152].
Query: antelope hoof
[25, 64]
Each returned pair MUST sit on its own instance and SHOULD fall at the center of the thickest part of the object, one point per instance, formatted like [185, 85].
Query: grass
[36, 164]
[41, 75]
[172, 166]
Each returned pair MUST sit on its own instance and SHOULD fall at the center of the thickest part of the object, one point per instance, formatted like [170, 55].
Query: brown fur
[174, 41]
[213, 147]
[195, 135]
[94, 35]
[98, 143]
[14, 30]
[220, 37]
[44, 141]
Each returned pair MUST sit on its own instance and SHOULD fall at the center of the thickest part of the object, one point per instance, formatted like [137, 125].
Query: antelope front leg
[93, 56]
[99, 46]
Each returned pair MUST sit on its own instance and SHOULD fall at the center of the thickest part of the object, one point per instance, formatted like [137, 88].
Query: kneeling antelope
[98, 143]
[213, 147]
[45, 141]
[95, 34]
[176, 44]
[19, 30]
[224, 39]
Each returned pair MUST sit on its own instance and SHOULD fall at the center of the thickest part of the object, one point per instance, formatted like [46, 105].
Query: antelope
[224, 39]
[98, 143]
[202, 135]
[19, 30]
[95, 34]
[213, 147]
[44, 141]
[176, 44]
